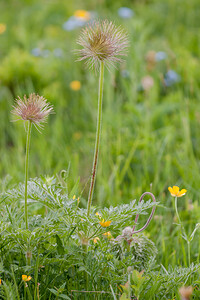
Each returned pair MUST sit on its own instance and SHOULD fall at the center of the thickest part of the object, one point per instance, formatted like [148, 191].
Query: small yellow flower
[2, 28]
[95, 240]
[82, 14]
[75, 85]
[108, 235]
[26, 278]
[74, 197]
[104, 223]
[175, 191]
[0, 281]
[97, 214]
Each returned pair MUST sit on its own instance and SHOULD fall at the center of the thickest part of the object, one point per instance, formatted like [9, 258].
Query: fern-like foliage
[59, 234]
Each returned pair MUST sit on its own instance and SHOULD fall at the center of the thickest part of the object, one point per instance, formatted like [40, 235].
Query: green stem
[26, 172]
[24, 291]
[176, 209]
[183, 233]
[36, 290]
[15, 283]
[96, 152]
[95, 233]
[188, 253]
[129, 286]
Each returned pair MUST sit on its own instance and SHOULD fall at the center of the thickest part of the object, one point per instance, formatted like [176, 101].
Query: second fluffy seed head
[35, 108]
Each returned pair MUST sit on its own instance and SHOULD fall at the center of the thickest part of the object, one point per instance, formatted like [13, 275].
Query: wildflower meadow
[99, 147]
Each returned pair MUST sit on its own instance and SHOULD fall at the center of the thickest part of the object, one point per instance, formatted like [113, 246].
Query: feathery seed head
[102, 41]
[35, 108]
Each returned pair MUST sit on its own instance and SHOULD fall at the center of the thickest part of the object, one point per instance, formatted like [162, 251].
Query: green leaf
[60, 247]
[54, 292]
[74, 189]
[114, 297]
[123, 297]
[194, 231]
[64, 296]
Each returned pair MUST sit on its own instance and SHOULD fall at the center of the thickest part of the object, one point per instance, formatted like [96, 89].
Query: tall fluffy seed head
[102, 41]
[35, 108]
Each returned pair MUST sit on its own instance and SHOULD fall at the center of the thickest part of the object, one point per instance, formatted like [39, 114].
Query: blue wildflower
[73, 23]
[125, 12]
[160, 55]
[171, 77]
[36, 52]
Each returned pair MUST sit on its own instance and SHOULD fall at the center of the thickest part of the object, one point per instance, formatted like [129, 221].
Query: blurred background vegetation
[151, 110]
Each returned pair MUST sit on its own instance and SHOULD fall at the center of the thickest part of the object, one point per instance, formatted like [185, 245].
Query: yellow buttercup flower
[75, 85]
[104, 223]
[175, 191]
[82, 14]
[26, 278]
[2, 28]
[95, 240]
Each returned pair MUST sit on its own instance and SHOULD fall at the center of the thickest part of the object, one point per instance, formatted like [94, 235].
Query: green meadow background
[150, 138]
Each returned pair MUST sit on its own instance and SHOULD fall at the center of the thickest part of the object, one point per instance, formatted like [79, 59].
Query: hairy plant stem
[177, 214]
[98, 132]
[26, 172]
